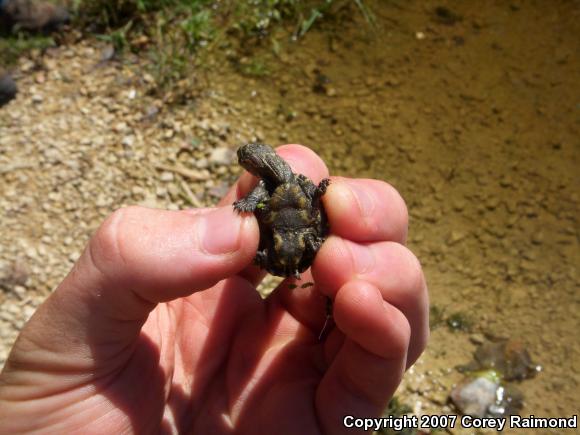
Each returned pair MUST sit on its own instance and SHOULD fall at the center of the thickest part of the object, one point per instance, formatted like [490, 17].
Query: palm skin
[158, 329]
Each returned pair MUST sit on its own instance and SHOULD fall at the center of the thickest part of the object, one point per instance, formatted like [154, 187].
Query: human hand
[159, 328]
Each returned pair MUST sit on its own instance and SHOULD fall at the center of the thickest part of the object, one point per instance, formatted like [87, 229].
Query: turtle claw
[244, 206]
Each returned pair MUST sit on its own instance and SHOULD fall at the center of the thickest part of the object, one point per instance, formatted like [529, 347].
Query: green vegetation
[13, 46]
[175, 34]
[456, 322]
[436, 316]
[397, 409]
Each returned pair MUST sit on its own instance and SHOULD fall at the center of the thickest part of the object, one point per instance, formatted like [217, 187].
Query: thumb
[163, 255]
[136, 259]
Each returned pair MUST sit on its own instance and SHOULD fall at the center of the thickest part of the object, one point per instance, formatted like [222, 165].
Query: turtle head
[262, 161]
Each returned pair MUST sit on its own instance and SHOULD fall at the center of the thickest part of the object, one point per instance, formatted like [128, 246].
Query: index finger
[366, 210]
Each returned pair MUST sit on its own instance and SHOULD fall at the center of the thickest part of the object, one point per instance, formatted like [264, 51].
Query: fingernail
[361, 195]
[221, 231]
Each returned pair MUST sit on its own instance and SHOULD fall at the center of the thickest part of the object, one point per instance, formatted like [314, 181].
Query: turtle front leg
[308, 188]
[320, 190]
[251, 201]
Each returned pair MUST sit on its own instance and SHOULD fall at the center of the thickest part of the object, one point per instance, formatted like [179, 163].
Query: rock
[221, 156]
[454, 237]
[108, 53]
[484, 396]
[474, 396]
[13, 274]
[166, 176]
[120, 127]
[202, 163]
[508, 358]
[477, 338]
[330, 92]
[458, 204]
[444, 15]
[128, 141]
[37, 98]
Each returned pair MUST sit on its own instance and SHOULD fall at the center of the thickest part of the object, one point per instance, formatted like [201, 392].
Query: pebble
[37, 98]
[454, 237]
[128, 141]
[331, 92]
[474, 396]
[221, 156]
[166, 176]
[477, 338]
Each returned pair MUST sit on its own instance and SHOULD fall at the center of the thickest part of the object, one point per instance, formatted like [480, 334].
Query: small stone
[330, 92]
[19, 291]
[455, 237]
[108, 53]
[161, 192]
[475, 396]
[128, 141]
[202, 163]
[458, 204]
[120, 127]
[166, 176]
[40, 78]
[538, 238]
[13, 273]
[477, 338]
[102, 201]
[137, 190]
[221, 156]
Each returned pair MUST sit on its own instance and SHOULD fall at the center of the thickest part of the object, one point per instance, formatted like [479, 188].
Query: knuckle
[393, 206]
[415, 278]
[401, 215]
[108, 244]
[401, 336]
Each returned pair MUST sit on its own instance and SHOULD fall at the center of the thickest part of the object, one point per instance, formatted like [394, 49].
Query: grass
[13, 46]
[396, 409]
[174, 34]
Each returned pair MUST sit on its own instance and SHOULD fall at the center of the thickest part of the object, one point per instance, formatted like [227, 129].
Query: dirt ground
[472, 115]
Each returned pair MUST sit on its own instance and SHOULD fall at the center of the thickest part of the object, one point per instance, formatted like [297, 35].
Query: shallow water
[475, 120]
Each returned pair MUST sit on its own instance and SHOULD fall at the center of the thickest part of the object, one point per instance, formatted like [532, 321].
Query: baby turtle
[290, 214]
